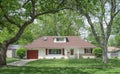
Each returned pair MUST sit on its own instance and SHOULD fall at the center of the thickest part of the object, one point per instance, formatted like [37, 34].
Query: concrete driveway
[21, 62]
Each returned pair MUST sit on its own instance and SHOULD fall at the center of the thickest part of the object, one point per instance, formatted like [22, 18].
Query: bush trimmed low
[21, 53]
[97, 52]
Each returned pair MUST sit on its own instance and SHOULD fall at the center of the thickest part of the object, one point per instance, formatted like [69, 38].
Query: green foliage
[21, 53]
[97, 52]
[116, 26]
[63, 23]
[115, 41]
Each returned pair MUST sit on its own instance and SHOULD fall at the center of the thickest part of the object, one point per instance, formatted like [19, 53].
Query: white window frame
[63, 39]
[55, 52]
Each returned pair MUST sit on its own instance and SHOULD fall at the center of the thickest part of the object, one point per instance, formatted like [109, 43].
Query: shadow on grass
[42, 70]
[56, 70]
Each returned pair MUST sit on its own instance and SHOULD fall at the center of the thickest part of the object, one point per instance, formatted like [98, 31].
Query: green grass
[74, 63]
[11, 60]
[62, 66]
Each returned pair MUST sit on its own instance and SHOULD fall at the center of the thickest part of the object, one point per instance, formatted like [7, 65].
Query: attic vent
[45, 38]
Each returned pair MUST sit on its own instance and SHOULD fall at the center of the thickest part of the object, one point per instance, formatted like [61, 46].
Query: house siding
[113, 55]
[9, 53]
[109, 55]
[78, 53]
[119, 54]
[42, 53]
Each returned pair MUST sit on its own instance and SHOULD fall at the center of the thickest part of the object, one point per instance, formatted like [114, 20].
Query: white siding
[42, 53]
[81, 51]
[77, 54]
[55, 56]
[119, 54]
[109, 55]
[87, 56]
[9, 53]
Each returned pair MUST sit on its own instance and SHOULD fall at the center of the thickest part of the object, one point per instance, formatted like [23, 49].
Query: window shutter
[91, 50]
[72, 51]
[46, 51]
[63, 51]
[84, 50]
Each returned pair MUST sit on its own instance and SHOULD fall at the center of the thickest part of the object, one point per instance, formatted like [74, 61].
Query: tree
[21, 53]
[62, 23]
[17, 15]
[103, 12]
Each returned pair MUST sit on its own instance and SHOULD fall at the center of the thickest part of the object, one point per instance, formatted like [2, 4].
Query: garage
[32, 54]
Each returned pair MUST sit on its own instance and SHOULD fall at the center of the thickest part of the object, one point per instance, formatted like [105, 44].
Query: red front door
[32, 54]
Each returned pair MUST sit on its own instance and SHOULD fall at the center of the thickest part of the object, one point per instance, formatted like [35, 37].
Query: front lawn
[74, 63]
[9, 60]
[62, 66]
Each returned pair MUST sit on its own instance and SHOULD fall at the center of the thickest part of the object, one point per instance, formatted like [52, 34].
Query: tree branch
[101, 19]
[25, 3]
[93, 29]
[25, 24]
[50, 11]
[19, 33]
[8, 19]
[61, 2]
[117, 12]
[33, 9]
[112, 15]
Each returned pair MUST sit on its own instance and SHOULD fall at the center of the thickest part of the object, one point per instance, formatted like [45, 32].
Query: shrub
[97, 52]
[21, 53]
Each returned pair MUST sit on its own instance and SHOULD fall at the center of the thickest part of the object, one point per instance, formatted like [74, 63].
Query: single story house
[113, 52]
[11, 51]
[49, 47]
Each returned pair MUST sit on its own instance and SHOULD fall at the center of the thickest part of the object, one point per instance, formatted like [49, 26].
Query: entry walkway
[21, 62]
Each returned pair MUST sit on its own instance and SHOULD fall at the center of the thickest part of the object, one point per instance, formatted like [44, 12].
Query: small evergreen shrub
[21, 53]
[97, 52]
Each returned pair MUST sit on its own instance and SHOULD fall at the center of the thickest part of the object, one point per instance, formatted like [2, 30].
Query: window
[54, 51]
[59, 39]
[72, 52]
[88, 51]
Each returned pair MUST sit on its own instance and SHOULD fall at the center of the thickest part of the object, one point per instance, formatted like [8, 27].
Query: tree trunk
[3, 50]
[104, 54]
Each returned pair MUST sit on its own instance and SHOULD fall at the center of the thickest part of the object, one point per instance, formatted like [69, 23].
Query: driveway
[21, 62]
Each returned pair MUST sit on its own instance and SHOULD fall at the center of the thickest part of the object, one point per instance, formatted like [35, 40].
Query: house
[11, 51]
[59, 47]
[113, 52]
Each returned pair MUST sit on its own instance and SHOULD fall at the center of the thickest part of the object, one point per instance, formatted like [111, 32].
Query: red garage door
[32, 54]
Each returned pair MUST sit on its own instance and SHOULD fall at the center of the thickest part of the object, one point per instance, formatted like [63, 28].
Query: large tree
[63, 23]
[18, 14]
[104, 13]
